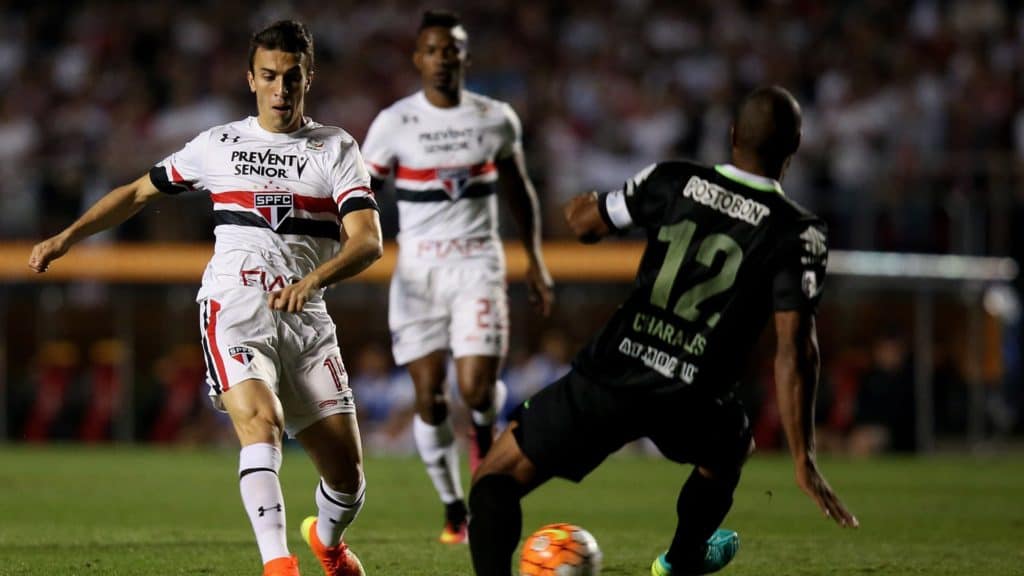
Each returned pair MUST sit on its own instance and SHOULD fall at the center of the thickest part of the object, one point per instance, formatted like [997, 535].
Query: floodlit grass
[125, 511]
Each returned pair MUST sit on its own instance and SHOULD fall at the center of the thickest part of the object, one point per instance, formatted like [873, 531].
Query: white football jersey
[443, 164]
[278, 199]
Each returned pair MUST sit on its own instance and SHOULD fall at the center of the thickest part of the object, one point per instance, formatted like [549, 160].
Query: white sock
[261, 496]
[336, 511]
[487, 417]
[440, 454]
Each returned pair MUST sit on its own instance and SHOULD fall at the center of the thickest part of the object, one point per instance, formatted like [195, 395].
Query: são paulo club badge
[275, 207]
[454, 180]
[242, 354]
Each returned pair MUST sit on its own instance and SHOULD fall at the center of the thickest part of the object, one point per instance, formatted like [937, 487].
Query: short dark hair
[439, 19]
[286, 36]
[768, 124]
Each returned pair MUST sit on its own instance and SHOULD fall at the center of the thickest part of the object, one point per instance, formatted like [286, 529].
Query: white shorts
[296, 355]
[462, 307]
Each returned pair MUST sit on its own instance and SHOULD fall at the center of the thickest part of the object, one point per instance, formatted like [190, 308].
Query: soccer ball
[560, 550]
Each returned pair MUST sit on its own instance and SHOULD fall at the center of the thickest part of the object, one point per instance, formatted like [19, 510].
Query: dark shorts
[570, 427]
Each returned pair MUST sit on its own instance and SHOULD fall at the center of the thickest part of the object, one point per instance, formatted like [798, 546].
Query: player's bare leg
[501, 481]
[334, 446]
[435, 441]
[259, 422]
[485, 395]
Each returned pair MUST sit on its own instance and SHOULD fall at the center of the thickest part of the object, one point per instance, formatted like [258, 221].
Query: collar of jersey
[422, 97]
[254, 125]
[747, 179]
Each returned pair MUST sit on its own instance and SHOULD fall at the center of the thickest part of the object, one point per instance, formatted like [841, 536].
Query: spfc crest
[275, 207]
[454, 181]
[242, 354]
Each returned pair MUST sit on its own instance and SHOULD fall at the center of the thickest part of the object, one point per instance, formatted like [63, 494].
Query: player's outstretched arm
[583, 215]
[361, 246]
[115, 207]
[522, 199]
[796, 380]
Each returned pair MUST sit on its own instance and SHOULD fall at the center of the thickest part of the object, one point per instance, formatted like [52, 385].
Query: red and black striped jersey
[442, 161]
[278, 199]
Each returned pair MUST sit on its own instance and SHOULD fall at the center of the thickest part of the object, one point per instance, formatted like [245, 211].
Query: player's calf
[495, 525]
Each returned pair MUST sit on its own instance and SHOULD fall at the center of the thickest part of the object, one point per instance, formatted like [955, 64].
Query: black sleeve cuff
[158, 176]
[361, 203]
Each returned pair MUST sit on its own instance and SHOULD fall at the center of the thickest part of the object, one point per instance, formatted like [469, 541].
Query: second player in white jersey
[450, 153]
[444, 165]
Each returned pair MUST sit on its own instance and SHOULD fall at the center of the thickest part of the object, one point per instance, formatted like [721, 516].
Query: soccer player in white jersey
[445, 147]
[294, 213]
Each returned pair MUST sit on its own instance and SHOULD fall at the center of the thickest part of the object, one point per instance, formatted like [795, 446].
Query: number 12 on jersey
[679, 236]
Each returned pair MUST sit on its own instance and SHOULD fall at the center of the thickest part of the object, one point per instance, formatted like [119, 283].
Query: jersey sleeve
[642, 200]
[377, 151]
[350, 181]
[183, 170]
[512, 141]
[800, 274]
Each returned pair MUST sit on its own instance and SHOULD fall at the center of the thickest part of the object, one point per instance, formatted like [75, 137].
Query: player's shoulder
[405, 104]
[676, 172]
[796, 212]
[224, 132]
[319, 137]
[485, 105]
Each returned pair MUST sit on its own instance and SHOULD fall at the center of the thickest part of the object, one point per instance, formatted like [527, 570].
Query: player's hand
[292, 297]
[540, 288]
[810, 480]
[47, 251]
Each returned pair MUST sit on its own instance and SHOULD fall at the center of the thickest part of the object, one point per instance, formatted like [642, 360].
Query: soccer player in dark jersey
[726, 252]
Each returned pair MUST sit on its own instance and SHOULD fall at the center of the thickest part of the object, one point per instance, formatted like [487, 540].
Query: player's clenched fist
[47, 251]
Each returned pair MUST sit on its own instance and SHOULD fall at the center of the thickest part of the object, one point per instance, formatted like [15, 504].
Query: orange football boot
[337, 560]
[284, 566]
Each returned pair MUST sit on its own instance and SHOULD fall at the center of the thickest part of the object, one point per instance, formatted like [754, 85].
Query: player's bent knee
[260, 427]
[345, 479]
[478, 394]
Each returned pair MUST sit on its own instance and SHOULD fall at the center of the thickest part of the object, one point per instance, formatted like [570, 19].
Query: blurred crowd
[913, 136]
[913, 141]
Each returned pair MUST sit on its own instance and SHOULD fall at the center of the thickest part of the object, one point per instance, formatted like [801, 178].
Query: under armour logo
[407, 118]
[224, 138]
[263, 510]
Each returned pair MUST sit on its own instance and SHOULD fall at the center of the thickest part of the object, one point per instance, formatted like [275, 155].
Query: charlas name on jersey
[278, 199]
[443, 164]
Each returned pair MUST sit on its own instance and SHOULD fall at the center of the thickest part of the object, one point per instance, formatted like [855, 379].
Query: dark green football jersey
[725, 248]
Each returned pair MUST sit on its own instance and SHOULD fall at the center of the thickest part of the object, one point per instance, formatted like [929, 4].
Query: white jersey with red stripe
[443, 164]
[278, 199]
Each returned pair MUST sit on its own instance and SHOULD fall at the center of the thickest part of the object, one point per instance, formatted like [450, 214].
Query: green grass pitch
[126, 511]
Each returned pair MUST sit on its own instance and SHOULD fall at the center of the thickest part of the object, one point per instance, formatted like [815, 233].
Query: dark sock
[484, 437]
[702, 505]
[495, 524]
[455, 513]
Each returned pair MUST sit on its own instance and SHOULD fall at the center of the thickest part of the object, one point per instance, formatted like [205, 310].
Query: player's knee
[478, 391]
[432, 409]
[346, 478]
[261, 425]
